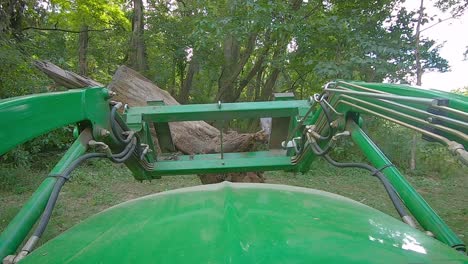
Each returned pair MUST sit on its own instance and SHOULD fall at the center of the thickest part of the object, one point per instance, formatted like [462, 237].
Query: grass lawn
[101, 184]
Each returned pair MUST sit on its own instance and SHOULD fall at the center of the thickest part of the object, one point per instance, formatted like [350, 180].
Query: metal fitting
[409, 220]
[335, 123]
[462, 155]
[317, 98]
[429, 233]
[289, 144]
[325, 87]
[455, 146]
[102, 145]
[27, 248]
[145, 150]
[342, 134]
[116, 104]
[10, 259]
[314, 134]
[130, 134]
[104, 132]
[457, 149]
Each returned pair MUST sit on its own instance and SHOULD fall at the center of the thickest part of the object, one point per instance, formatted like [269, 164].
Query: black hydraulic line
[132, 143]
[121, 157]
[329, 121]
[121, 123]
[65, 176]
[127, 154]
[41, 226]
[387, 185]
[330, 133]
[61, 179]
[118, 127]
[128, 148]
[124, 126]
[397, 203]
[115, 130]
[321, 152]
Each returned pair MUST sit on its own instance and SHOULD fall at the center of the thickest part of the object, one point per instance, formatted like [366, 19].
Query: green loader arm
[314, 126]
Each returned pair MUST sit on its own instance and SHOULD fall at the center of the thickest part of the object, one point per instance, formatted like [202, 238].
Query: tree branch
[244, 57]
[440, 21]
[68, 30]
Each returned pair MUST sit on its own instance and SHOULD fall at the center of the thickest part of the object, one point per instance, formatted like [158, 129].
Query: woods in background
[205, 50]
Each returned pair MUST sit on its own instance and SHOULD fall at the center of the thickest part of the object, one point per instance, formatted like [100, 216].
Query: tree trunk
[258, 66]
[12, 16]
[234, 62]
[419, 73]
[193, 68]
[82, 51]
[65, 78]
[414, 145]
[258, 84]
[267, 90]
[419, 70]
[136, 58]
[191, 137]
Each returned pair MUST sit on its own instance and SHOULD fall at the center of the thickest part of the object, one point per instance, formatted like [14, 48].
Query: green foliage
[347, 40]
[308, 43]
[455, 7]
[95, 13]
[22, 42]
[18, 77]
[463, 91]
[431, 158]
[34, 150]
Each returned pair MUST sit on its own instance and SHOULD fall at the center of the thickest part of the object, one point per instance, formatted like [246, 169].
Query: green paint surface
[243, 223]
[26, 117]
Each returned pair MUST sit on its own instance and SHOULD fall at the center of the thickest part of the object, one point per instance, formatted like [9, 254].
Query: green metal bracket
[280, 126]
[420, 209]
[413, 108]
[232, 162]
[210, 112]
[24, 118]
[19, 227]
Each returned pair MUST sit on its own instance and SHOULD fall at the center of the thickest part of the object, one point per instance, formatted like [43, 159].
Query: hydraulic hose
[329, 121]
[61, 179]
[126, 153]
[117, 127]
[129, 147]
[331, 131]
[397, 203]
[322, 152]
[131, 143]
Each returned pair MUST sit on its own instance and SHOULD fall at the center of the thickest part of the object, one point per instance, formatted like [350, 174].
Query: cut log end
[193, 137]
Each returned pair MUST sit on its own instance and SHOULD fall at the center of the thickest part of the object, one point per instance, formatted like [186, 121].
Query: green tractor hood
[243, 223]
